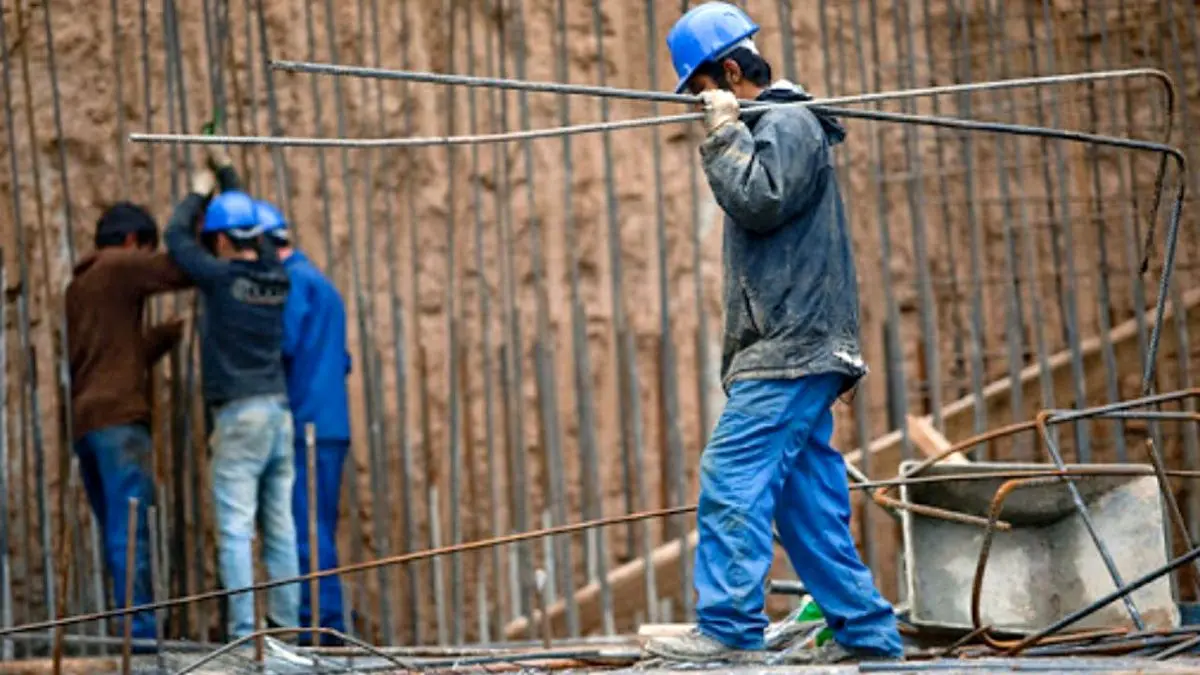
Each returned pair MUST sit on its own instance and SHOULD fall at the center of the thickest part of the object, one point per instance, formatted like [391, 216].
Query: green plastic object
[809, 612]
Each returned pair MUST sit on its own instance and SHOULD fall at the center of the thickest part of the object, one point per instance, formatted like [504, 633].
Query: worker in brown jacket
[111, 354]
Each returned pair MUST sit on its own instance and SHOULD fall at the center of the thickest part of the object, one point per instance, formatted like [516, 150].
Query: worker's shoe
[698, 648]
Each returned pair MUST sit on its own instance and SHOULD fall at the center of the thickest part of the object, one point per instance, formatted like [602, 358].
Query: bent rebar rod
[689, 99]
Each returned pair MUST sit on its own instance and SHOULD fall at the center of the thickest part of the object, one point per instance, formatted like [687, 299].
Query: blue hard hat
[269, 218]
[703, 34]
[231, 210]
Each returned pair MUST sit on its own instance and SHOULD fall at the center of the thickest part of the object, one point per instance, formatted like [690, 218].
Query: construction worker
[791, 348]
[244, 288]
[316, 362]
[110, 358]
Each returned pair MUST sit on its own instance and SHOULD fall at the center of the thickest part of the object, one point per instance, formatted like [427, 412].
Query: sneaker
[832, 653]
[695, 647]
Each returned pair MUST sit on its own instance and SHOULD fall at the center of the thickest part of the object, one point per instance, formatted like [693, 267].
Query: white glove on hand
[218, 157]
[720, 108]
[204, 182]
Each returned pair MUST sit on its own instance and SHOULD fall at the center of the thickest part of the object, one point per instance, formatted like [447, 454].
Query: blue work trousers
[252, 476]
[114, 463]
[331, 459]
[769, 459]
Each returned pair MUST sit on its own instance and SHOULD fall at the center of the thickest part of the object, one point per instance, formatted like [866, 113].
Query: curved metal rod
[687, 99]
[882, 498]
[268, 632]
[997, 505]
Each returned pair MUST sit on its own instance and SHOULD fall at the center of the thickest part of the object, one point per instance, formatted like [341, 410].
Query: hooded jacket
[790, 287]
[110, 352]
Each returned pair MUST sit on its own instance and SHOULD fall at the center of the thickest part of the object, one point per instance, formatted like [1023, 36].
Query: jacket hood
[784, 91]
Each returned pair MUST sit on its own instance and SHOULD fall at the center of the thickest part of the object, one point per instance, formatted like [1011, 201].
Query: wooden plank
[886, 456]
[930, 441]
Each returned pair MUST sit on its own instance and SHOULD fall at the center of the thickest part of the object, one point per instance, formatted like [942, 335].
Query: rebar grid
[973, 324]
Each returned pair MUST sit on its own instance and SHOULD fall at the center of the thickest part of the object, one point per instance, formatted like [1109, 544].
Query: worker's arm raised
[201, 266]
[222, 165]
[756, 176]
[148, 273]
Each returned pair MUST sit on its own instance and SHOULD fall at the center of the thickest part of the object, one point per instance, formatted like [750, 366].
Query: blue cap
[705, 33]
[269, 218]
[228, 211]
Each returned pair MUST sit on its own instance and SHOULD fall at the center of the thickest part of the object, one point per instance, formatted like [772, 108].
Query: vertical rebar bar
[702, 346]
[30, 384]
[439, 574]
[156, 581]
[485, 334]
[409, 528]
[895, 370]
[119, 82]
[255, 167]
[454, 415]
[314, 563]
[130, 575]
[916, 206]
[6, 595]
[701, 339]
[282, 182]
[1045, 375]
[514, 356]
[976, 330]
[1126, 185]
[668, 376]
[948, 221]
[629, 409]
[1013, 318]
[1062, 235]
[322, 167]
[543, 354]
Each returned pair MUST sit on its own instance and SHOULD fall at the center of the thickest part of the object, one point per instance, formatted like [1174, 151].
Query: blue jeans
[770, 459]
[331, 459]
[252, 476]
[114, 463]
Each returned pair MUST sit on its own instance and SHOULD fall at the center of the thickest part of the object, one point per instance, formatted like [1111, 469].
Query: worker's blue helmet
[272, 222]
[269, 218]
[705, 33]
[231, 212]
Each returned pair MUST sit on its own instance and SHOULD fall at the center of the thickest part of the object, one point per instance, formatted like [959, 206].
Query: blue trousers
[331, 459]
[114, 463]
[770, 459]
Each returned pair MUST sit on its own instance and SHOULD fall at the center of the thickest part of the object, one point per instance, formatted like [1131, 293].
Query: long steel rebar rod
[1133, 470]
[663, 97]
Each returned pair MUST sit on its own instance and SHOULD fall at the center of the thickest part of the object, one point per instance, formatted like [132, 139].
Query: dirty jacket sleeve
[202, 267]
[755, 177]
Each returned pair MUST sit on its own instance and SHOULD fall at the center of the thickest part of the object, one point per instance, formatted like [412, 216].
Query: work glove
[204, 182]
[218, 157]
[720, 109]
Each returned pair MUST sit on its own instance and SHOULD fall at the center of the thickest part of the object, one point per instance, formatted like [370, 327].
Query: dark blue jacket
[790, 290]
[241, 325]
[314, 352]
